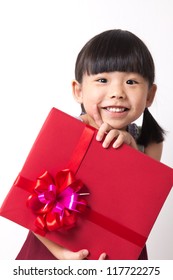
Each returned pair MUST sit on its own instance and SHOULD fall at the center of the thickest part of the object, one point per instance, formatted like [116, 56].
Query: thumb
[79, 255]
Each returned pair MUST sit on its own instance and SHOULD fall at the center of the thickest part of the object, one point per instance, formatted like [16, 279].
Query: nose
[118, 94]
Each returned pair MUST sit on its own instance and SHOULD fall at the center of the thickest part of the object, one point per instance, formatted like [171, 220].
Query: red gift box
[127, 190]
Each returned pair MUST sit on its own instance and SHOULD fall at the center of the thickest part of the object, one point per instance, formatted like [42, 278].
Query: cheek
[90, 97]
[139, 100]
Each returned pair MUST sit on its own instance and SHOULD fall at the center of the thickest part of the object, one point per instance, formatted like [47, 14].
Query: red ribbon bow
[57, 201]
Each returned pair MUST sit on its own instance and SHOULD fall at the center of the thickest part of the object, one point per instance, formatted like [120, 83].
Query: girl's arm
[154, 150]
[61, 253]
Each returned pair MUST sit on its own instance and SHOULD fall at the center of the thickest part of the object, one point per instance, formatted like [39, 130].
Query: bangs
[115, 50]
[109, 62]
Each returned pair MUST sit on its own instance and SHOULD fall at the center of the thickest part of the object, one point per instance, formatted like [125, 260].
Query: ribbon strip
[116, 228]
[81, 149]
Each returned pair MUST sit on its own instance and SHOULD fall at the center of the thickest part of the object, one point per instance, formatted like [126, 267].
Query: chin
[116, 125]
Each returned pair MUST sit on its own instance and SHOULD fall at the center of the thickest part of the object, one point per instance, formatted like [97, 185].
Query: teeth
[115, 110]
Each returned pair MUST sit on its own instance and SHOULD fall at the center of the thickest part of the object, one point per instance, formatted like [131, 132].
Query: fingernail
[98, 138]
[115, 146]
[85, 253]
[105, 145]
[104, 255]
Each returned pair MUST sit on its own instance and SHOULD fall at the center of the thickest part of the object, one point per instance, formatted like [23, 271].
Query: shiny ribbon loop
[56, 201]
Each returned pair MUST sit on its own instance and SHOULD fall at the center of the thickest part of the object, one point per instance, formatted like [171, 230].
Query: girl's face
[120, 97]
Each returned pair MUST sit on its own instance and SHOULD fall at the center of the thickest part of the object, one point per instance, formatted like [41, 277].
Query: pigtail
[150, 131]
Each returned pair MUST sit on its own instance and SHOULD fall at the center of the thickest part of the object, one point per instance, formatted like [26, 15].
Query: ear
[77, 91]
[151, 95]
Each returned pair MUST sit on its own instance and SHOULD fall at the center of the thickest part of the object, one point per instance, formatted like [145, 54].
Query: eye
[131, 82]
[102, 80]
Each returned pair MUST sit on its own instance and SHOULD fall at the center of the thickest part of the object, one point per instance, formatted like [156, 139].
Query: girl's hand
[65, 254]
[113, 136]
[62, 253]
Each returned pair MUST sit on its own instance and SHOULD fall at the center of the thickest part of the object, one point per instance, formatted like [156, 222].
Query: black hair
[151, 131]
[120, 50]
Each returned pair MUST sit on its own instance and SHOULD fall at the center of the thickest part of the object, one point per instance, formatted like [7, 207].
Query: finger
[96, 116]
[102, 256]
[101, 132]
[124, 138]
[112, 134]
[80, 255]
[119, 141]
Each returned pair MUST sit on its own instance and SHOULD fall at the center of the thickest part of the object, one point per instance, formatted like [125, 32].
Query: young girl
[114, 83]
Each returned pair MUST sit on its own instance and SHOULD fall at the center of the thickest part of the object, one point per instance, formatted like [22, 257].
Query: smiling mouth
[116, 109]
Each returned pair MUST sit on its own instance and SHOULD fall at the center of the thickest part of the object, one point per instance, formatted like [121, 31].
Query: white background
[39, 42]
